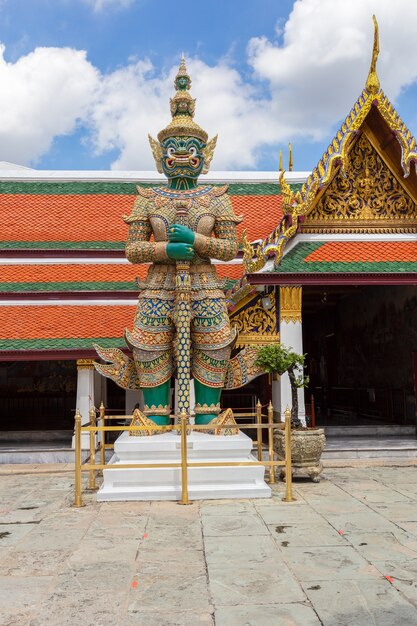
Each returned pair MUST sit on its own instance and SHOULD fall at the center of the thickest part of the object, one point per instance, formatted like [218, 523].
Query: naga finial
[372, 83]
[280, 166]
[287, 194]
[290, 158]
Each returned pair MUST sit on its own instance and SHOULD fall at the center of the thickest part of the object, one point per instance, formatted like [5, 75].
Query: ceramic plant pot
[306, 448]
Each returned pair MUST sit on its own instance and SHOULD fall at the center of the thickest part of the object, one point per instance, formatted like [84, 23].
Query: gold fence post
[92, 475]
[103, 435]
[288, 465]
[184, 467]
[271, 441]
[78, 501]
[259, 430]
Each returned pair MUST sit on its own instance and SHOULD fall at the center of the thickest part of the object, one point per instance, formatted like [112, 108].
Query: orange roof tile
[49, 322]
[80, 273]
[86, 217]
[364, 251]
[76, 273]
[234, 271]
[261, 214]
[98, 217]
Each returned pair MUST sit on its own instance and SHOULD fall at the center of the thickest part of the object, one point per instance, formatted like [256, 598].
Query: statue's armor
[152, 339]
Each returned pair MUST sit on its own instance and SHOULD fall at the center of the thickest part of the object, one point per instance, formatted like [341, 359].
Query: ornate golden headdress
[182, 110]
[182, 125]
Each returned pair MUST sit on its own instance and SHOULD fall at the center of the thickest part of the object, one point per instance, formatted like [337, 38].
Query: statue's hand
[180, 251]
[180, 233]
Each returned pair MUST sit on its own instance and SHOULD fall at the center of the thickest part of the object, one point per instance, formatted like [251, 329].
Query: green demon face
[182, 157]
[182, 82]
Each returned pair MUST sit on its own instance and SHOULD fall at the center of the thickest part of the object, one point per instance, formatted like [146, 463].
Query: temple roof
[83, 215]
[63, 327]
[36, 279]
[350, 256]
[64, 281]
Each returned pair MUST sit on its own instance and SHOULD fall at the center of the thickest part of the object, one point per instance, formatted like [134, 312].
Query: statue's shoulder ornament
[223, 208]
[140, 207]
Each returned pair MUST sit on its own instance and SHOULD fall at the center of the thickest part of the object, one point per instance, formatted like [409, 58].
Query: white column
[85, 396]
[291, 336]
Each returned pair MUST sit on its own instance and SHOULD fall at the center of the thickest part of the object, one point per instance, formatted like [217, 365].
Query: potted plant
[307, 444]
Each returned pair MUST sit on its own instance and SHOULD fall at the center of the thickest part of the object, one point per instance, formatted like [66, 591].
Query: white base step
[246, 481]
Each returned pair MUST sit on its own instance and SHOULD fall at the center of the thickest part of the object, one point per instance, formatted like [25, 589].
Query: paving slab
[374, 491]
[409, 527]
[225, 507]
[240, 550]
[12, 533]
[289, 513]
[33, 562]
[354, 603]
[136, 617]
[15, 618]
[95, 576]
[163, 535]
[169, 587]
[367, 520]
[397, 511]
[296, 614]
[24, 593]
[80, 608]
[329, 563]
[372, 546]
[233, 525]
[403, 575]
[302, 535]
[96, 550]
[333, 506]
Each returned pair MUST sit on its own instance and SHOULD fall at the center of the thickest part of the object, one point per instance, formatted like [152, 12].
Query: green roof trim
[128, 188]
[294, 263]
[127, 286]
[62, 245]
[69, 286]
[61, 344]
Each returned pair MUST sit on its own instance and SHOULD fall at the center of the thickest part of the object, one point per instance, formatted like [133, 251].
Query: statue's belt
[203, 276]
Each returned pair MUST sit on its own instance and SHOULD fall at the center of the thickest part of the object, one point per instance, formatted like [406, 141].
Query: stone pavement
[344, 553]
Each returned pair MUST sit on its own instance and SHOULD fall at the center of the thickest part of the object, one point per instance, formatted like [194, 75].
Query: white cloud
[312, 79]
[134, 102]
[103, 5]
[303, 83]
[42, 95]
[322, 64]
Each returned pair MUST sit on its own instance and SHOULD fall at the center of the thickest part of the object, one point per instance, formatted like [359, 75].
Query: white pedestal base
[165, 483]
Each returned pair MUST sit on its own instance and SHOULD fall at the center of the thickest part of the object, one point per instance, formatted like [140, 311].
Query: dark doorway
[359, 342]
[415, 383]
[37, 395]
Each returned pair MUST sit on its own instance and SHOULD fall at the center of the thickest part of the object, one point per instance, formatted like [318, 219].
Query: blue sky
[265, 72]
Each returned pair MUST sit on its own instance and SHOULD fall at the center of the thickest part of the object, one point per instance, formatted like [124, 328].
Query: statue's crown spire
[182, 110]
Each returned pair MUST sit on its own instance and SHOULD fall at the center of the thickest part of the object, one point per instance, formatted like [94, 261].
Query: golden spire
[280, 168]
[290, 159]
[182, 110]
[372, 83]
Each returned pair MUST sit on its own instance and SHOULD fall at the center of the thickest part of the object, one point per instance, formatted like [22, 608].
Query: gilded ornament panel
[290, 302]
[366, 196]
[256, 324]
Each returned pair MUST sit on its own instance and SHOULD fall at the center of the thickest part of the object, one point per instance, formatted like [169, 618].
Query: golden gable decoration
[367, 197]
[369, 110]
